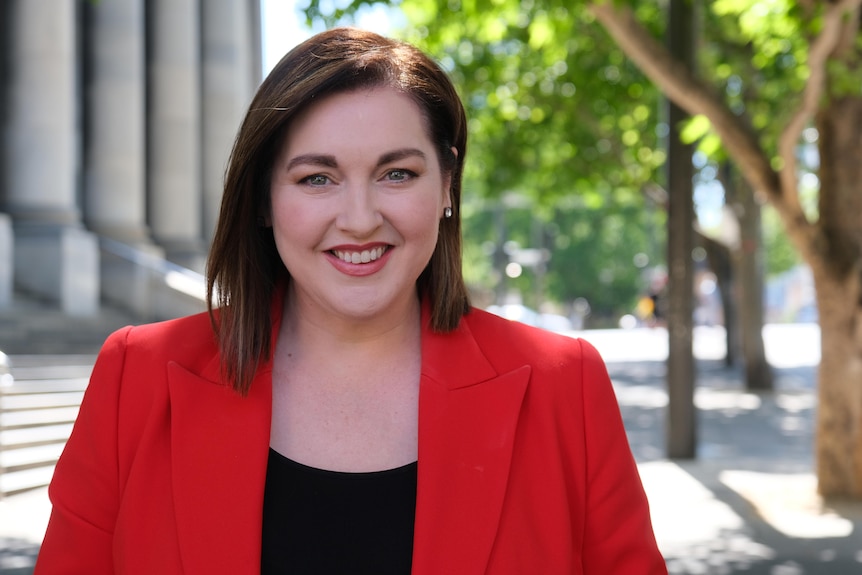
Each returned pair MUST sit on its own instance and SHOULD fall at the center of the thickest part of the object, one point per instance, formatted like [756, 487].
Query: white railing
[147, 284]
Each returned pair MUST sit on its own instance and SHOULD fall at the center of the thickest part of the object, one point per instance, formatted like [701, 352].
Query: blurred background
[651, 176]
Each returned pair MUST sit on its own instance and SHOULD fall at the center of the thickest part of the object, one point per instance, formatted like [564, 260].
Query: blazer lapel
[219, 445]
[468, 415]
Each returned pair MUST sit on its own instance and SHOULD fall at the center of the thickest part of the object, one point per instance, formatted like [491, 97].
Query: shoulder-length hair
[244, 268]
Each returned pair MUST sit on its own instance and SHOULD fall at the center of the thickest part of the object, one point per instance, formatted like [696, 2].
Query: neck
[350, 344]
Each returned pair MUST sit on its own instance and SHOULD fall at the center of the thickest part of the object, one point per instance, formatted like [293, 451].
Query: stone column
[228, 83]
[115, 199]
[54, 257]
[115, 155]
[173, 147]
[257, 43]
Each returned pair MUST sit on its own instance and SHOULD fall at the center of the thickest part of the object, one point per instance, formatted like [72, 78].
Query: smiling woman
[354, 194]
[342, 408]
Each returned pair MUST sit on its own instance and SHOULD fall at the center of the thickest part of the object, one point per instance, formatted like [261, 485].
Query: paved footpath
[746, 504]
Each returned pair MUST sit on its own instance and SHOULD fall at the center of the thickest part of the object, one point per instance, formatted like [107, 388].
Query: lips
[360, 257]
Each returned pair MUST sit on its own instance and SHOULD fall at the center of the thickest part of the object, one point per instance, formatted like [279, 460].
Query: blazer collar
[468, 414]
[219, 452]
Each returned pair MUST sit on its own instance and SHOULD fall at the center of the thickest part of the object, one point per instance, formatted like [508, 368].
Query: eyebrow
[329, 161]
[322, 160]
[400, 154]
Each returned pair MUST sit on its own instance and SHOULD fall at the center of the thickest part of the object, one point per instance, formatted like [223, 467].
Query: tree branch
[821, 48]
[679, 84]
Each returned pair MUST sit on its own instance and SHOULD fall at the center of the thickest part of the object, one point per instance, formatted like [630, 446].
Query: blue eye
[315, 180]
[399, 175]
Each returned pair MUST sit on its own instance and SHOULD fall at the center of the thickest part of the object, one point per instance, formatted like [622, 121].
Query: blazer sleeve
[618, 536]
[85, 489]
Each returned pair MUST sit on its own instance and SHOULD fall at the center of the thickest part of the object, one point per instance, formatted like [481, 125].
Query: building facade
[117, 121]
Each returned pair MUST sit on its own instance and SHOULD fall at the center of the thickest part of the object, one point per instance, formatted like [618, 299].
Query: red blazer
[524, 465]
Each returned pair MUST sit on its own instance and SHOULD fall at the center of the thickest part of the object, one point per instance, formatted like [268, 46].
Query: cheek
[288, 208]
[280, 202]
[294, 222]
[421, 227]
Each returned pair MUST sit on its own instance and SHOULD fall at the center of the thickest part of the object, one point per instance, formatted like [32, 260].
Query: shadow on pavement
[748, 502]
[17, 556]
[750, 428]
[763, 541]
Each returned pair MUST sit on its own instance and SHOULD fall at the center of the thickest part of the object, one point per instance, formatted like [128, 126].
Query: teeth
[362, 257]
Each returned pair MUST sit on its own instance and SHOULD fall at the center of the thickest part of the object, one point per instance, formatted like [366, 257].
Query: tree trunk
[719, 258]
[682, 425]
[748, 265]
[839, 414]
[837, 271]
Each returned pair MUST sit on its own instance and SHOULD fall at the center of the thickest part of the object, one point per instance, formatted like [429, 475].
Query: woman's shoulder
[565, 370]
[484, 324]
[180, 339]
[507, 341]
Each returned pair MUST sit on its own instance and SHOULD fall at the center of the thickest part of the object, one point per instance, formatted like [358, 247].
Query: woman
[344, 409]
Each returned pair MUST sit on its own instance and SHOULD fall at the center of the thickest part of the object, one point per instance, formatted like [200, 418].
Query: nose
[359, 214]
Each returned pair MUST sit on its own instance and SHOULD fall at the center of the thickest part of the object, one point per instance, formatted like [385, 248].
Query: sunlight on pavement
[704, 398]
[679, 503]
[786, 345]
[695, 530]
[712, 520]
[789, 503]
[25, 515]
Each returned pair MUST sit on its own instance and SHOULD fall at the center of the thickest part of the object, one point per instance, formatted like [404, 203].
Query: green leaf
[695, 128]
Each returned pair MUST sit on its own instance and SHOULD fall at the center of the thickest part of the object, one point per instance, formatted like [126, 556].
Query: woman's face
[357, 194]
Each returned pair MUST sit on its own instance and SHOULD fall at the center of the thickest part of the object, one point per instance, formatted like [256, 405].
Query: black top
[318, 521]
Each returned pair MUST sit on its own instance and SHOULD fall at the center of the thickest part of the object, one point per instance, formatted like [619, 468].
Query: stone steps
[50, 356]
[38, 406]
[30, 326]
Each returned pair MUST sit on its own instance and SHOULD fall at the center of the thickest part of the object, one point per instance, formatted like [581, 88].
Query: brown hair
[244, 268]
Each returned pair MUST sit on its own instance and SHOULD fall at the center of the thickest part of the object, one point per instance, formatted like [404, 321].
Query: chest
[359, 419]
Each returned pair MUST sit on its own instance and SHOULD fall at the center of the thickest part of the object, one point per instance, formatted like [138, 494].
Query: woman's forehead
[367, 118]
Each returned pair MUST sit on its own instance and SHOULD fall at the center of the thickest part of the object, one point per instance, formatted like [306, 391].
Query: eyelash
[408, 174]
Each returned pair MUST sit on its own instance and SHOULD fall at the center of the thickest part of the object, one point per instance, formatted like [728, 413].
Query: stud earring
[447, 212]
